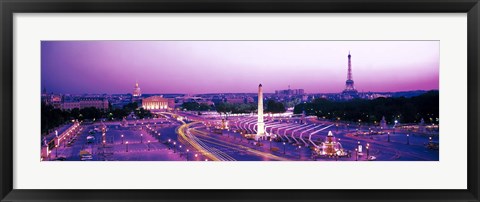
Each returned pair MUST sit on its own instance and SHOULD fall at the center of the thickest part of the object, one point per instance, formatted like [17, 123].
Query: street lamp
[187, 154]
[56, 150]
[299, 152]
[169, 140]
[126, 146]
[395, 126]
[174, 146]
[270, 144]
[356, 154]
[284, 148]
[408, 139]
[141, 138]
[122, 138]
[148, 145]
[368, 146]
[388, 136]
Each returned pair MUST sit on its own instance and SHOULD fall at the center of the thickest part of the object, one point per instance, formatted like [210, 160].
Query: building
[289, 92]
[69, 105]
[136, 91]
[157, 103]
[235, 100]
[250, 99]
[81, 103]
[96, 102]
[350, 92]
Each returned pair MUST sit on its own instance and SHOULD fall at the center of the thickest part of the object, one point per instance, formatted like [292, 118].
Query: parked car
[61, 158]
[90, 139]
[86, 157]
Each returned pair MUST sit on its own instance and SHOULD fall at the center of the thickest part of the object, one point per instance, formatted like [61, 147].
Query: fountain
[331, 147]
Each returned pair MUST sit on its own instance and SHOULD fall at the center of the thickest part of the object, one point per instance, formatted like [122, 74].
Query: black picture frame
[10, 7]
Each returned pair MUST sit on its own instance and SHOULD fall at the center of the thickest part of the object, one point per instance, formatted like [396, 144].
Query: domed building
[136, 91]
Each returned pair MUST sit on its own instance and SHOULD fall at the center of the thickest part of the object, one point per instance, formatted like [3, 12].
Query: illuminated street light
[270, 144]
[408, 139]
[148, 145]
[122, 138]
[126, 146]
[284, 148]
[141, 137]
[299, 152]
[388, 136]
[395, 126]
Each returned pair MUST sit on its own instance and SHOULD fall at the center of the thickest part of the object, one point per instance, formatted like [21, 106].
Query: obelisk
[260, 123]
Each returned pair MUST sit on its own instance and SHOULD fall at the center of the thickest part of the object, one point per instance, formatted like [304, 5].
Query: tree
[405, 110]
[195, 106]
[234, 108]
[275, 107]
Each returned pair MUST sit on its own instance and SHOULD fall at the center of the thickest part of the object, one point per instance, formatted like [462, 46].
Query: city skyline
[201, 67]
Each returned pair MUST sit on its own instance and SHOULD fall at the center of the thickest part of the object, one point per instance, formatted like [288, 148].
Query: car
[60, 159]
[372, 158]
[85, 157]
[90, 139]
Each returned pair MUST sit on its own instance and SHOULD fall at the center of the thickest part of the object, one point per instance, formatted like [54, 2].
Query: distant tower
[136, 91]
[350, 91]
[260, 123]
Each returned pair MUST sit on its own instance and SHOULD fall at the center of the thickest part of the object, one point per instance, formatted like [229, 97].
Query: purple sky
[237, 66]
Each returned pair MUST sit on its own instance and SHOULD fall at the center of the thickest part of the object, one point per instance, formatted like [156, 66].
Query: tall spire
[260, 123]
[349, 75]
[349, 91]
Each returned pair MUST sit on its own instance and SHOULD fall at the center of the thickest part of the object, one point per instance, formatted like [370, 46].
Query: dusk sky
[237, 66]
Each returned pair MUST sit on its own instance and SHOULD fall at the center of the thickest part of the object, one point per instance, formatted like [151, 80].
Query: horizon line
[245, 92]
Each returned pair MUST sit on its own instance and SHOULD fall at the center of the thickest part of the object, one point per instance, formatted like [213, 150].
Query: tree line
[52, 118]
[404, 110]
[225, 108]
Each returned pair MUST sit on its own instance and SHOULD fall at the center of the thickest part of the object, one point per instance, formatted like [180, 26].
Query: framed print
[244, 101]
